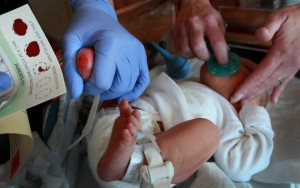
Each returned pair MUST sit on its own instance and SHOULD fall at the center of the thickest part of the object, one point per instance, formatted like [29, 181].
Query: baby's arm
[245, 151]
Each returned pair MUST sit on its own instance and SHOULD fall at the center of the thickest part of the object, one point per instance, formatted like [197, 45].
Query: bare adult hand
[196, 20]
[282, 61]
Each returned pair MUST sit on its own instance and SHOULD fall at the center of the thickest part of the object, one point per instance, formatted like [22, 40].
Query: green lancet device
[233, 65]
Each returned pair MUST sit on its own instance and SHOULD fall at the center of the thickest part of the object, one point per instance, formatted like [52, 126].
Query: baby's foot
[114, 162]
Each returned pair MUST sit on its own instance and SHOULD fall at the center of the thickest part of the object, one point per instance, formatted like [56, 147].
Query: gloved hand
[5, 82]
[120, 69]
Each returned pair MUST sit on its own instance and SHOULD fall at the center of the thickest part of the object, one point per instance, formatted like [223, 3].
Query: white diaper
[136, 174]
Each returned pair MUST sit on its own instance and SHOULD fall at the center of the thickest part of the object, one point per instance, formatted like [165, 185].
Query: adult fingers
[279, 89]
[142, 82]
[181, 41]
[216, 38]
[270, 27]
[104, 70]
[254, 83]
[196, 39]
[70, 46]
[5, 82]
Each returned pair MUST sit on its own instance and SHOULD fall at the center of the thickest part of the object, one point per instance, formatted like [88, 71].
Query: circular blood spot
[19, 27]
[33, 49]
[41, 69]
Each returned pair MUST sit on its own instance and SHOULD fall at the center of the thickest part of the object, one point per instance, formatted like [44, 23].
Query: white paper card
[27, 57]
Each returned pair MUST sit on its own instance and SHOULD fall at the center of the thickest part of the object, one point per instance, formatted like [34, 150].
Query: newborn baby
[189, 121]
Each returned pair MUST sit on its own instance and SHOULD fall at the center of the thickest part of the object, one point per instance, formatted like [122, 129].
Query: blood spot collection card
[27, 57]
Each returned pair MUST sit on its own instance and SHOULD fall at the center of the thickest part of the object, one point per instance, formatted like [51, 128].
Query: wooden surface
[242, 24]
[124, 3]
[243, 20]
[148, 20]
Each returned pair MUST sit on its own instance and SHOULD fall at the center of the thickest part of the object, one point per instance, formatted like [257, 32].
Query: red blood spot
[41, 69]
[33, 49]
[19, 27]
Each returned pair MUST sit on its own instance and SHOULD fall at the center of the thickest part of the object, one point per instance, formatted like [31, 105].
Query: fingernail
[223, 53]
[275, 100]
[235, 99]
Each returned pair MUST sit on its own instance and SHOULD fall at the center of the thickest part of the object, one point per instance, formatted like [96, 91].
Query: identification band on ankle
[157, 174]
[132, 175]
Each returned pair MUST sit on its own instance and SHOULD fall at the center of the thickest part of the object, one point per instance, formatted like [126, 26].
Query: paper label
[20, 140]
[27, 57]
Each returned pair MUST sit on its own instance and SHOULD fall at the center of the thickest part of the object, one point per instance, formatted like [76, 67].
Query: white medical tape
[90, 121]
[136, 161]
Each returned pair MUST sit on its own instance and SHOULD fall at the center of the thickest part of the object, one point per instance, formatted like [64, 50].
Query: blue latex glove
[5, 82]
[120, 68]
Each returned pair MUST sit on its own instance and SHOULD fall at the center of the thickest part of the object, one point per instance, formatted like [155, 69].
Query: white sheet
[285, 117]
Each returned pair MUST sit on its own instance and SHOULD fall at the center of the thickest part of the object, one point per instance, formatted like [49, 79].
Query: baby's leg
[188, 146]
[113, 164]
